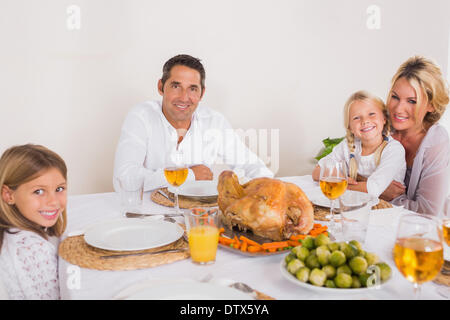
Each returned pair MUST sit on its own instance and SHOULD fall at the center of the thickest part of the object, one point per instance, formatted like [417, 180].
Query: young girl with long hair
[374, 159]
[32, 217]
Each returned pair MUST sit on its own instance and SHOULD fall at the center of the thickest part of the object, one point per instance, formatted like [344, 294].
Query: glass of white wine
[445, 291]
[418, 250]
[333, 183]
[176, 173]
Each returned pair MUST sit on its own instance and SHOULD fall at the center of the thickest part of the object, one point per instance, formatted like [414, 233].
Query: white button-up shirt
[148, 139]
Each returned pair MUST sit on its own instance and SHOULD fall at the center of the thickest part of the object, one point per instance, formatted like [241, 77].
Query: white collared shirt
[147, 140]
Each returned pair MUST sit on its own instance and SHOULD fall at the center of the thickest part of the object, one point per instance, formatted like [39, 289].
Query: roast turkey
[269, 208]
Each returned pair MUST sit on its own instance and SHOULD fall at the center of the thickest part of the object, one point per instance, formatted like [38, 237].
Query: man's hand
[393, 191]
[202, 172]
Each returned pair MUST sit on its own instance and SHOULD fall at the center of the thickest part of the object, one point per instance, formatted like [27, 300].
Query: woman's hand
[393, 191]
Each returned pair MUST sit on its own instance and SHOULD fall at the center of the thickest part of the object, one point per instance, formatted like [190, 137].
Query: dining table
[262, 273]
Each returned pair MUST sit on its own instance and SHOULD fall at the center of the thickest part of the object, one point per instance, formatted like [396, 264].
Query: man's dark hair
[187, 61]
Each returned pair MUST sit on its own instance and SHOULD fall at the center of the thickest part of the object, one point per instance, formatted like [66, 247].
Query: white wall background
[287, 64]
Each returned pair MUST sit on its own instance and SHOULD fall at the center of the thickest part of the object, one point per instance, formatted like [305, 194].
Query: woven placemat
[321, 213]
[76, 251]
[183, 202]
[444, 276]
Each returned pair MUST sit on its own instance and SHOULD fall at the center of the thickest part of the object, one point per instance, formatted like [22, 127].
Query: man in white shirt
[154, 129]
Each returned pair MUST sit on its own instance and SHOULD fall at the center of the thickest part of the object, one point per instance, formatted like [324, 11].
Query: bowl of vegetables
[321, 265]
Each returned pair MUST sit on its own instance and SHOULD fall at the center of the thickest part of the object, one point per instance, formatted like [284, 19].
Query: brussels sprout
[321, 240]
[337, 258]
[317, 277]
[312, 262]
[289, 258]
[349, 250]
[330, 284]
[343, 280]
[333, 246]
[300, 252]
[322, 249]
[344, 269]
[308, 243]
[371, 258]
[355, 282]
[313, 252]
[294, 266]
[358, 265]
[330, 271]
[303, 274]
[357, 244]
[362, 253]
[324, 257]
[385, 271]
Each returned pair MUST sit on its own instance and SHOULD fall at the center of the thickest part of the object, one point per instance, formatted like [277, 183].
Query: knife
[143, 215]
[142, 253]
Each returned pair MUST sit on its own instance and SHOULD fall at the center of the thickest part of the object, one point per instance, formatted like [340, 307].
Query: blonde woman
[32, 216]
[373, 157]
[417, 99]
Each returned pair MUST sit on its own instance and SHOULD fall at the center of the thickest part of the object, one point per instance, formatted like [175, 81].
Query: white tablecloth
[262, 273]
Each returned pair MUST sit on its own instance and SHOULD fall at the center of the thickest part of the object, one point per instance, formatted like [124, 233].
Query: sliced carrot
[244, 246]
[236, 243]
[297, 237]
[275, 245]
[294, 243]
[221, 230]
[317, 225]
[272, 250]
[226, 241]
[254, 248]
[249, 241]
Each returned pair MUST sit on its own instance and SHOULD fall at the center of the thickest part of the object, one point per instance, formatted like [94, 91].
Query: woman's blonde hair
[425, 77]
[19, 165]
[366, 97]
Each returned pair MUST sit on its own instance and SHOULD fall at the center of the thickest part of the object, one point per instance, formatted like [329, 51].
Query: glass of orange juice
[203, 235]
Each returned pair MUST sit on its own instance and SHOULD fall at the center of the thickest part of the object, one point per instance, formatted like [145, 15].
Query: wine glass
[445, 291]
[418, 250]
[333, 183]
[176, 173]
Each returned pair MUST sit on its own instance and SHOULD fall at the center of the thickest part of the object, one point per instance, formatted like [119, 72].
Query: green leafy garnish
[329, 145]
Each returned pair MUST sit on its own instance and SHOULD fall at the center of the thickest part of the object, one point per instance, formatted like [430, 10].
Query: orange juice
[203, 242]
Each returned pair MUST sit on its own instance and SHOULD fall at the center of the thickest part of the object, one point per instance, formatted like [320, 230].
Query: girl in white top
[32, 216]
[374, 159]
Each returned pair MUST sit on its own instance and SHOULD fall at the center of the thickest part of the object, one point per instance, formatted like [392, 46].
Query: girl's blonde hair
[366, 97]
[19, 165]
[425, 77]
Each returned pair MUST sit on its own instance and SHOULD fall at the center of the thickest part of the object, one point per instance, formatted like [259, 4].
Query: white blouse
[29, 266]
[392, 164]
[428, 187]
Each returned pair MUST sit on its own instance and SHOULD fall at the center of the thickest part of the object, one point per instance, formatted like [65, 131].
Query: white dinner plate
[351, 198]
[132, 234]
[289, 276]
[181, 290]
[200, 188]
